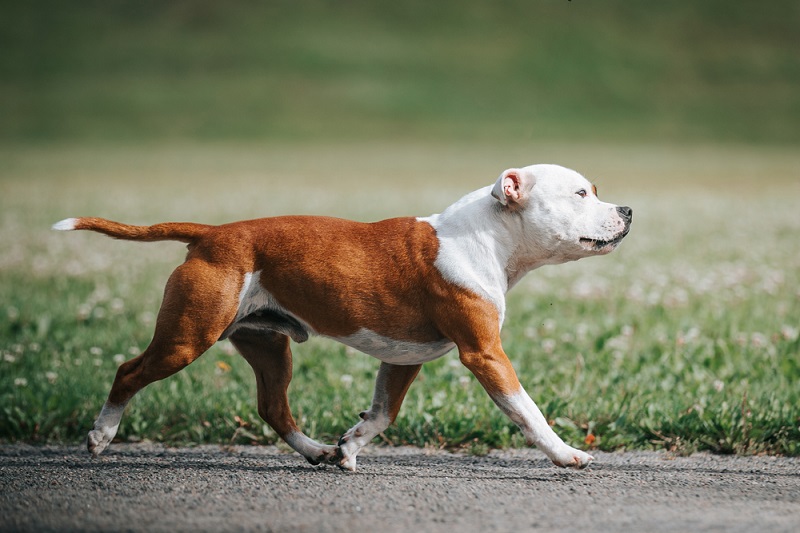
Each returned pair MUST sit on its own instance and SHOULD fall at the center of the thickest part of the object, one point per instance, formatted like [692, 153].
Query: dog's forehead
[557, 177]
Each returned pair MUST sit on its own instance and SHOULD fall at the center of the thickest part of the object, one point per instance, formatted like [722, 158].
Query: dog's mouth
[604, 246]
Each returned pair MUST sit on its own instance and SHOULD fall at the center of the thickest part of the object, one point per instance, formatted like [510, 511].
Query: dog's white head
[563, 219]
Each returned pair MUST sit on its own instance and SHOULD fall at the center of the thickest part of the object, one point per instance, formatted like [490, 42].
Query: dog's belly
[260, 312]
[398, 352]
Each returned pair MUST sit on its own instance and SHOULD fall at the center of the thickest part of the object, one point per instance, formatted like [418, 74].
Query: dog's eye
[581, 193]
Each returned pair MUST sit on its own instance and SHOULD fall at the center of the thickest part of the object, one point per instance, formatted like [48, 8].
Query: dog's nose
[625, 212]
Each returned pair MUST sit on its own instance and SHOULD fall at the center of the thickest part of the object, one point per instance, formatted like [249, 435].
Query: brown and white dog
[404, 290]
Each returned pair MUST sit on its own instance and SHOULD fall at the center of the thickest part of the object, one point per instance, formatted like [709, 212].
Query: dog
[403, 290]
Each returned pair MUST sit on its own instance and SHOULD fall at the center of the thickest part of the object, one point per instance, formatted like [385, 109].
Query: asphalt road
[147, 487]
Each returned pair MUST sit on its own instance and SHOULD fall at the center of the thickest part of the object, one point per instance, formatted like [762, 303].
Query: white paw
[98, 441]
[572, 458]
[347, 463]
[348, 452]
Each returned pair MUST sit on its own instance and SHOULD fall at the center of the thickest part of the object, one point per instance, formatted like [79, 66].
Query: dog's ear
[513, 186]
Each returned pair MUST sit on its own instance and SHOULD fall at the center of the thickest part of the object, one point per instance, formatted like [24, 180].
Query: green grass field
[685, 338]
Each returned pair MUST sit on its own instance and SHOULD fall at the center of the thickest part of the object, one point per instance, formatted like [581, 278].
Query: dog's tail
[187, 232]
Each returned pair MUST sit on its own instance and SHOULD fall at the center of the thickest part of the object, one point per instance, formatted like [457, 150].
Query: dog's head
[563, 219]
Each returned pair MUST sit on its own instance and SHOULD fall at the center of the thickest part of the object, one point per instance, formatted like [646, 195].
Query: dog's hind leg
[271, 358]
[199, 303]
[390, 389]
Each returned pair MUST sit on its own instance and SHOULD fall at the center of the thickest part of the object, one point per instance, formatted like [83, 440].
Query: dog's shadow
[419, 465]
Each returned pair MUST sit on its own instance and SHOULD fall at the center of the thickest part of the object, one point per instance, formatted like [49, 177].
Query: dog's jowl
[404, 290]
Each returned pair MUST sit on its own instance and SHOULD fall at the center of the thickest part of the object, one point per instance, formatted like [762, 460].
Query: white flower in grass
[21, 382]
[718, 385]
[347, 380]
[51, 376]
[548, 345]
[117, 306]
[119, 358]
[789, 333]
[84, 311]
[8, 357]
[619, 343]
[758, 340]
[741, 339]
[96, 350]
[228, 349]
[464, 381]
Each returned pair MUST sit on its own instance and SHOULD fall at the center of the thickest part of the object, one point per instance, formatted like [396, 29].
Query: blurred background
[147, 111]
[556, 70]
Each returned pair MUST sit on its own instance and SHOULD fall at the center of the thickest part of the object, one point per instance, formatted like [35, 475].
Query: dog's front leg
[494, 371]
[390, 389]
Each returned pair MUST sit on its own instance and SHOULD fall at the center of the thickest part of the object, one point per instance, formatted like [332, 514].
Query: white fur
[522, 410]
[362, 434]
[68, 224]
[105, 427]
[373, 422]
[253, 297]
[487, 246]
[474, 249]
[492, 237]
[309, 448]
[395, 351]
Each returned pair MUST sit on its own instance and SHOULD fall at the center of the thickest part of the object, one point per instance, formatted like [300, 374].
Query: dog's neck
[483, 247]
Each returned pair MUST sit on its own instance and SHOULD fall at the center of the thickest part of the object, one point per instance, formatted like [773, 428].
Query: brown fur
[336, 275]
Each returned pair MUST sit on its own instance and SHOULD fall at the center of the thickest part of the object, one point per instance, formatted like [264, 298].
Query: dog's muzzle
[626, 214]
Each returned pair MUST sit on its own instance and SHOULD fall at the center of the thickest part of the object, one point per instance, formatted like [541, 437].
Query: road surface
[147, 487]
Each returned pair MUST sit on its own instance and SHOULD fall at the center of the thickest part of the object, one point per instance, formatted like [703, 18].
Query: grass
[686, 338]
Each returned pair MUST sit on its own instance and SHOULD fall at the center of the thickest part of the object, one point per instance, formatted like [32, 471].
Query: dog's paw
[346, 452]
[325, 454]
[347, 463]
[573, 458]
[98, 441]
